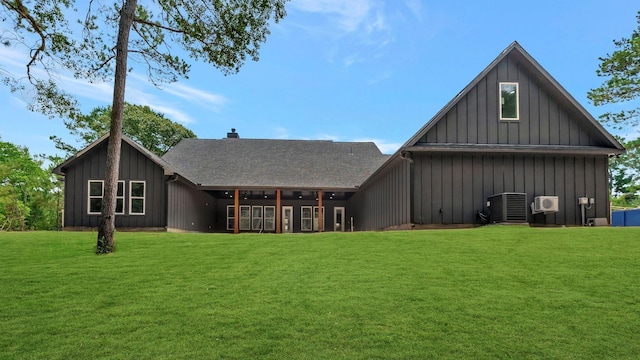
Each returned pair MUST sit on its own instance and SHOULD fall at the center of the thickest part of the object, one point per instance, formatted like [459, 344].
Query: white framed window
[269, 218]
[120, 198]
[137, 201]
[256, 218]
[306, 218]
[245, 217]
[231, 217]
[96, 194]
[509, 101]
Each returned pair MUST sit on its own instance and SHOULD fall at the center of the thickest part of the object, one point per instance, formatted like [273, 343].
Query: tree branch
[145, 22]
[23, 13]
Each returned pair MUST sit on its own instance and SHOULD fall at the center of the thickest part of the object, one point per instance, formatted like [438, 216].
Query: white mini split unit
[544, 204]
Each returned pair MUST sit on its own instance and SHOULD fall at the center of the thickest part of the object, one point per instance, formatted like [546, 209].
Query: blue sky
[356, 70]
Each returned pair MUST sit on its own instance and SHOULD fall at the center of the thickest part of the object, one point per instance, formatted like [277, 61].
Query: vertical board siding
[133, 166]
[451, 189]
[474, 119]
[492, 107]
[191, 209]
[471, 116]
[481, 113]
[384, 201]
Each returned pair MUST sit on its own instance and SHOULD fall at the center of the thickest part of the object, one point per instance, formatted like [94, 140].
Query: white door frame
[287, 227]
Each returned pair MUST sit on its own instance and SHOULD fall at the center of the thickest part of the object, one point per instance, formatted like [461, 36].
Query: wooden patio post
[320, 212]
[236, 211]
[278, 214]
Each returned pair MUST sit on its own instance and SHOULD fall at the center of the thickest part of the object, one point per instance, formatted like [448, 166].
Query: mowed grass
[491, 292]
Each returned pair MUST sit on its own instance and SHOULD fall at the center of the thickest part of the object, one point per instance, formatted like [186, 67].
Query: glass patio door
[287, 219]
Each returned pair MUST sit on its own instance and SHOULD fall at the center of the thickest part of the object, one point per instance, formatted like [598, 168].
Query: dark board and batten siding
[190, 209]
[133, 166]
[384, 202]
[451, 189]
[543, 119]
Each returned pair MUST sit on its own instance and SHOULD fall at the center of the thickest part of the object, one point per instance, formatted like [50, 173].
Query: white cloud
[172, 113]
[379, 23]
[350, 60]
[209, 100]
[353, 25]
[349, 15]
[139, 89]
[281, 133]
[12, 59]
[416, 8]
[381, 77]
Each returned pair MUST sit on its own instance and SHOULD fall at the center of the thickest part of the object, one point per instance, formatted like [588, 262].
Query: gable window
[137, 197]
[96, 193]
[509, 101]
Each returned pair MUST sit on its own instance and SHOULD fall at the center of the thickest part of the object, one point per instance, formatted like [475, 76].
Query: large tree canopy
[622, 70]
[221, 32]
[148, 128]
[625, 175]
[28, 193]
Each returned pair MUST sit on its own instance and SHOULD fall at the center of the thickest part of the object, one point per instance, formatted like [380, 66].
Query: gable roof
[546, 81]
[228, 163]
[61, 169]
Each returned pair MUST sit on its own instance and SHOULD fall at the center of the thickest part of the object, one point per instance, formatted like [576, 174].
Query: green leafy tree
[143, 125]
[625, 175]
[27, 191]
[622, 85]
[622, 70]
[223, 33]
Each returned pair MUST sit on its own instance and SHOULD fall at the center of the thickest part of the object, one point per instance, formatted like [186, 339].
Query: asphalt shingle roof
[275, 163]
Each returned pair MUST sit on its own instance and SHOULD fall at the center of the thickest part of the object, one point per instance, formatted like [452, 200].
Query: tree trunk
[106, 240]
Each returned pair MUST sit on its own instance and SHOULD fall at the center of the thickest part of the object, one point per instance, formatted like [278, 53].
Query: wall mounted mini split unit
[508, 208]
[544, 204]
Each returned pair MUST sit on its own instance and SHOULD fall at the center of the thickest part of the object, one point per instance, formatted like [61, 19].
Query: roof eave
[167, 169]
[514, 149]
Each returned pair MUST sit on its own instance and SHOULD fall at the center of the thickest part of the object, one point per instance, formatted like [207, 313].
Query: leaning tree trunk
[106, 240]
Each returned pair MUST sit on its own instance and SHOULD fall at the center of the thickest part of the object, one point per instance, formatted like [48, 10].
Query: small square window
[509, 101]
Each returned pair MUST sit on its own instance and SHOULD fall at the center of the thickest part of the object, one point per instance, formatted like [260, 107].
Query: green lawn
[491, 292]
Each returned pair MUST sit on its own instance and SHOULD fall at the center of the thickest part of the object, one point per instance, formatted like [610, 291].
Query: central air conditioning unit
[508, 208]
[544, 204]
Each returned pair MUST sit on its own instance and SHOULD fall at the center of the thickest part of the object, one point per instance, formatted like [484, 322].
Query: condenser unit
[508, 208]
[544, 204]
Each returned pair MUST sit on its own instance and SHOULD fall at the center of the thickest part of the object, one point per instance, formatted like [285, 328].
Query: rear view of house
[514, 130]
[512, 146]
